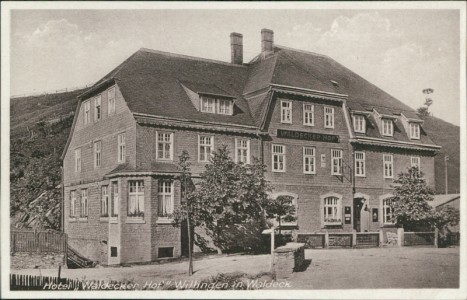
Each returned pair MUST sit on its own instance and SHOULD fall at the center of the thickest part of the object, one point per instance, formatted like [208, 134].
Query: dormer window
[388, 127]
[208, 105]
[359, 123]
[97, 108]
[225, 107]
[216, 105]
[414, 130]
[286, 112]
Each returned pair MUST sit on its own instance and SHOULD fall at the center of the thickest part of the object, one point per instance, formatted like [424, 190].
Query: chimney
[267, 41]
[236, 48]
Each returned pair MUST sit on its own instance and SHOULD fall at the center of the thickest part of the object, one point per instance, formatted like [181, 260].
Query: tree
[410, 203]
[282, 209]
[423, 110]
[227, 193]
[184, 213]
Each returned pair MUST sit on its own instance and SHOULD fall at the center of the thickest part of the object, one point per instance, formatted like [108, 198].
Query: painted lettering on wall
[307, 136]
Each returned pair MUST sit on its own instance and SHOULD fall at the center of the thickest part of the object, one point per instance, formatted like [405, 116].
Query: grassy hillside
[39, 130]
[447, 136]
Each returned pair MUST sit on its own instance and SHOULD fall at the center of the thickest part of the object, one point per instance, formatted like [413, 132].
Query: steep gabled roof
[319, 72]
[150, 82]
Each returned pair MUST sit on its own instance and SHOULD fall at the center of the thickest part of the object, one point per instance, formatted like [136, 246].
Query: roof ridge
[302, 51]
[171, 54]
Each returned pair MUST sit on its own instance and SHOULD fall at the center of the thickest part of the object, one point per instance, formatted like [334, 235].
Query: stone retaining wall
[37, 260]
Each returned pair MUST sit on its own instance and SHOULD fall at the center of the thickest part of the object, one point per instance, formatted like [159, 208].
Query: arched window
[331, 209]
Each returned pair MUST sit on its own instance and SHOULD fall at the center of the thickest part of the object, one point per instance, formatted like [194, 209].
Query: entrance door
[357, 208]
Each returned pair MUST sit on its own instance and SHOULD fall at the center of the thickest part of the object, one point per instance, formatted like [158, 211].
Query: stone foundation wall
[37, 260]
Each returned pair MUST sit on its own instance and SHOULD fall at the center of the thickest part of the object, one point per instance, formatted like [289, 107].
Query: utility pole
[446, 158]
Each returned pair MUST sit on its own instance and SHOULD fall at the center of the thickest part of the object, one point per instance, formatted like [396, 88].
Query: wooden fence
[19, 282]
[339, 239]
[38, 241]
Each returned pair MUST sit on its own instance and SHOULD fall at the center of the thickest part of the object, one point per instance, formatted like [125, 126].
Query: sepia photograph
[233, 150]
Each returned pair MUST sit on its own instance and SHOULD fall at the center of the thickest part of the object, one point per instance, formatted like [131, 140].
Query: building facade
[330, 139]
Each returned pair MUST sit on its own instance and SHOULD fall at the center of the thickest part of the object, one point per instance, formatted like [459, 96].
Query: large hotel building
[329, 138]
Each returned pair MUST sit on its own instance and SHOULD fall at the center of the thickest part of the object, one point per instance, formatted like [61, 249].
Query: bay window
[115, 200]
[165, 198]
[136, 198]
[105, 201]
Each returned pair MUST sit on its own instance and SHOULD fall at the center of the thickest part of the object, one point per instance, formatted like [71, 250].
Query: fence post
[381, 237]
[436, 238]
[400, 237]
[13, 243]
[326, 239]
[354, 238]
[36, 240]
[66, 250]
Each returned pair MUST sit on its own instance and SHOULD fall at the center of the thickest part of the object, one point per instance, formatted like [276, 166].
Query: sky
[400, 51]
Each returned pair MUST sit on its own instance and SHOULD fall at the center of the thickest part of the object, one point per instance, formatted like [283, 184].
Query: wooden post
[381, 237]
[66, 250]
[326, 239]
[436, 238]
[36, 240]
[273, 233]
[354, 238]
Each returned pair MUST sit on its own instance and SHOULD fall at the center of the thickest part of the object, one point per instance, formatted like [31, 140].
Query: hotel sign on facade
[307, 136]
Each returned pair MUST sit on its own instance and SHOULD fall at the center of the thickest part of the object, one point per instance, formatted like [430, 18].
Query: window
[72, 204]
[87, 112]
[359, 123]
[78, 160]
[136, 198]
[332, 211]
[328, 117]
[387, 160]
[308, 114]
[295, 214]
[165, 197]
[97, 154]
[360, 164]
[336, 162]
[242, 150]
[387, 127]
[163, 252]
[286, 112]
[208, 104]
[121, 148]
[105, 202]
[206, 146]
[97, 108]
[111, 100]
[309, 160]
[387, 211]
[415, 162]
[164, 146]
[278, 158]
[113, 252]
[114, 203]
[414, 130]
[224, 107]
[84, 203]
